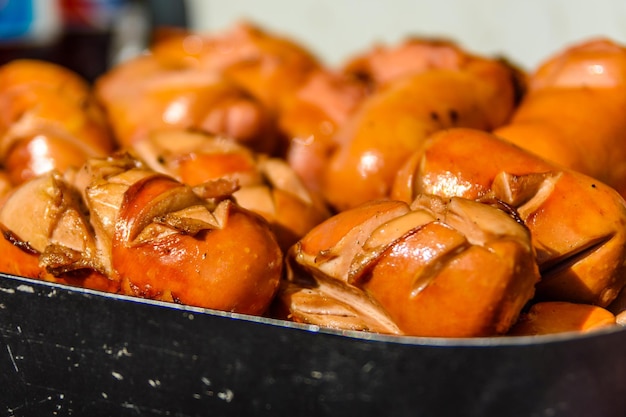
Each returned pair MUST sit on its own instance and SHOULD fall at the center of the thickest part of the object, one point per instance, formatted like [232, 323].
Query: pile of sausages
[417, 189]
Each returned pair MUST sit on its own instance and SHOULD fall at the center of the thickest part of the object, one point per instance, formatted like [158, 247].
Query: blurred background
[90, 35]
[524, 30]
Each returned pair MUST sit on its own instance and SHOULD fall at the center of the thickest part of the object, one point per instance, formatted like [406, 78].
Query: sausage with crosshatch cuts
[437, 267]
[578, 224]
[147, 234]
[267, 185]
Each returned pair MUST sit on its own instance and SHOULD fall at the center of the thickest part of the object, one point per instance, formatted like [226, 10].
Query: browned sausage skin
[446, 87]
[573, 111]
[580, 261]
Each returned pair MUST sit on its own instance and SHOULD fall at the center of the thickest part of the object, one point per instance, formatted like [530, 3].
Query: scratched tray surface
[69, 351]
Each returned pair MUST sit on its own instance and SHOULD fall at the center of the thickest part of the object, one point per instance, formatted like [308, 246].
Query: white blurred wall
[526, 31]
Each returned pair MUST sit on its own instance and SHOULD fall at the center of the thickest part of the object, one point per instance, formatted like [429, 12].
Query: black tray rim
[19, 283]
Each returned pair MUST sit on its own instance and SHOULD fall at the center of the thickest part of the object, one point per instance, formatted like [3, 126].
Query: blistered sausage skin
[37, 219]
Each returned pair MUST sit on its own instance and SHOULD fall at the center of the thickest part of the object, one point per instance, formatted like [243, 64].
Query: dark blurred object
[28, 28]
[167, 13]
[87, 36]
[92, 29]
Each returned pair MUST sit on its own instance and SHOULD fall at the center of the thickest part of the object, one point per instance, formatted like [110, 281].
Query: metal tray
[69, 351]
